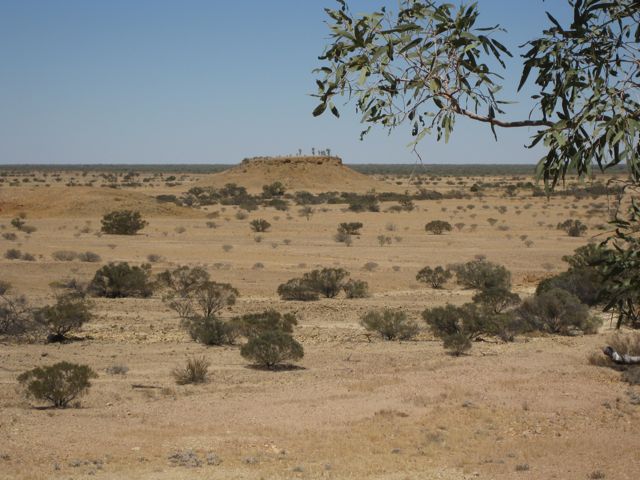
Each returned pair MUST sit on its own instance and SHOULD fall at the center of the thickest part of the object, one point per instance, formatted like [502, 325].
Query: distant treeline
[366, 168]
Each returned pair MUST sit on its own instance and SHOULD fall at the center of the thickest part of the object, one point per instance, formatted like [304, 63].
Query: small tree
[123, 222]
[271, 349]
[120, 280]
[59, 384]
[15, 315]
[356, 289]
[390, 324]
[438, 227]
[436, 277]
[70, 312]
[297, 289]
[259, 225]
[574, 228]
[350, 228]
[456, 343]
[255, 324]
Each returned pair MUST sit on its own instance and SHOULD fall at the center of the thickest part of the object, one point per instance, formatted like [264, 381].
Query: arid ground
[359, 407]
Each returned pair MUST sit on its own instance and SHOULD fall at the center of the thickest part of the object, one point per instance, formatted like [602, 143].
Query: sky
[208, 81]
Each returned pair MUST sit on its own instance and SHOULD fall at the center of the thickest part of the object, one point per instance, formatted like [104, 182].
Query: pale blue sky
[195, 81]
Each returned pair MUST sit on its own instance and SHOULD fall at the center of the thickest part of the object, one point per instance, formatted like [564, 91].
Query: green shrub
[364, 203]
[468, 319]
[343, 237]
[436, 277]
[391, 324]
[557, 311]
[64, 256]
[120, 280]
[574, 228]
[15, 315]
[482, 275]
[327, 282]
[13, 254]
[276, 189]
[356, 289]
[123, 222]
[58, 384]
[297, 289]
[18, 223]
[211, 330]
[350, 228]
[89, 257]
[456, 343]
[194, 372]
[69, 313]
[271, 348]
[259, 225]
[255, 324]
[438, 227]
[497, 299]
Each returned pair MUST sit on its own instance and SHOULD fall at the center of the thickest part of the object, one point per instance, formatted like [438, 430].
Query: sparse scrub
[574, 228]
[350, 228]
[259, 225]
[297, 289]
[481, 274]
[90, 257]
[356, 289]
[68, 314]
[438, 227]
[64, 256]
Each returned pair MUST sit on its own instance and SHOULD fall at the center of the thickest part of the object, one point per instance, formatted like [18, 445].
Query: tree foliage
[431, 62]
[120, 280]
[59, 384]
[436, 277]
[123, 222]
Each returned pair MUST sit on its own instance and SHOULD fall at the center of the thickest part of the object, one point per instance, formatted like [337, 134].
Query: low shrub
[327, 282]
[122, 222]
[211, 330]
[259, 225]
[350, 228]
[497, 299]
[58, 384]
[436, 277]
[64, 255]
[120, 280]
[272, 348]
[557, 311]
[343, 237]
[255, 324]
[574, 228]
[481, 274]
[438, 227]
[390, 324]
[13, 254]
[356, 289]
[194, 372]
[16, 316]
[456, 343]
[89, 257]
[297, 289]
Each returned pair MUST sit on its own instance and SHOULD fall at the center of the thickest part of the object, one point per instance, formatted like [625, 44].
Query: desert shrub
[350, 228]
[64, 255]
[255, 324]
[276, 189]
[356, 289]
[122, 222]
[13, 254]
[90, 257]
[195, 371]
[574, 228]
[28, 257]
[390, 324]
[279, 204]
[259, 225]
[9, 236]
[497, 299]
[297, 289]
[436, 277]
[456, 343]
[364, 203]
[468, 319]
[241, 215]
[586, 283]
[383, 240]
[306, 212]
[119, 280]
[632, 376]
[58, 384]
[69, 313]
[15, 314]
[370, 266]
[211, 297]
[154, 258]
[557, 311]
[482, 275]
[183, 280]
[227, 248]
[438, 227]
[18, 223]
[211, 330]
[327, 282]
[272, 348]
[29, 229]
[117, 369]
[343, 237]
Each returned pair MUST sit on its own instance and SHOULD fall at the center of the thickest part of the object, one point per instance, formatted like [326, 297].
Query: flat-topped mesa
[292, 160]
